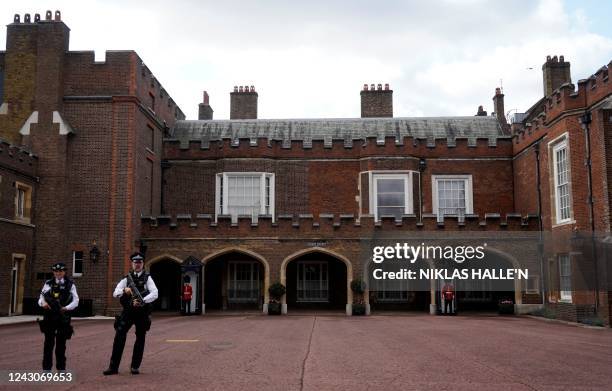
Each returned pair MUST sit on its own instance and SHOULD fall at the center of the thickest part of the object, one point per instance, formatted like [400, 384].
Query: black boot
[134, 371]
[110, 371]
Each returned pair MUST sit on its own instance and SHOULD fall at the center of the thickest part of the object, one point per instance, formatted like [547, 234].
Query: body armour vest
[141, 282]
[60, 291]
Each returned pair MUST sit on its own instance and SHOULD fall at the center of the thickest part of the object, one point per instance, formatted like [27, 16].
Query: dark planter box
[274, 309]
[359, 309]
[506, 309]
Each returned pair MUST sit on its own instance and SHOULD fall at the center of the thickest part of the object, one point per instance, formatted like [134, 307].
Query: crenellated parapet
[17, 158]
[325, 224]
[334, 148]
[567, 99]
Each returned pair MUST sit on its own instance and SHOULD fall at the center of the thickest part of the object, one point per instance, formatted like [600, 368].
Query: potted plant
[358, 287]
[506, 307]
[276, 291]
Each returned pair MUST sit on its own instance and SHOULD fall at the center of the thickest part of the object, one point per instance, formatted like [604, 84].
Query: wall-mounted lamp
[422, 165]
[94, 253]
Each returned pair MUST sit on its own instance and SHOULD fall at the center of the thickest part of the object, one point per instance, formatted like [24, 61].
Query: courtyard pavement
[307, 352]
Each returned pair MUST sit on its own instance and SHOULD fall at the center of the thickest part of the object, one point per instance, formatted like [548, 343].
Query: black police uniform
[56, 324]
[139, 316]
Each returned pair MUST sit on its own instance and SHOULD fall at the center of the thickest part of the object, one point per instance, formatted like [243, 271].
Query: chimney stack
[498, 107]
[205, 112]
[556, 72]
[243, 103]
[376, 101]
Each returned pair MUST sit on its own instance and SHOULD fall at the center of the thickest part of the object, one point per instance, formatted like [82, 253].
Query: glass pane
[390, 185]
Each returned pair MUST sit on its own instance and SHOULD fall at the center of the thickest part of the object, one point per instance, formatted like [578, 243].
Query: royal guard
[448, 294]
[187, 295]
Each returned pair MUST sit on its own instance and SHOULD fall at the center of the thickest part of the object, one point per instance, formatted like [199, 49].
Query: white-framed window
[244, 194]
[565, 278]
[532, 284]
[77, 263]
[452, 195]
[391, 194]
[243, 282]
[312, 281]
[21, 195]
[561, 181]
[23, 201]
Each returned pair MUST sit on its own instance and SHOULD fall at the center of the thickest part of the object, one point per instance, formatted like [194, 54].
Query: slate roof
[307, 130]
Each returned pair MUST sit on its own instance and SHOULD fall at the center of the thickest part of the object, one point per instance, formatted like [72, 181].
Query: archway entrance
[316, 280]
[234, 281]
[167, 276]
[484, 295]
[397, 295]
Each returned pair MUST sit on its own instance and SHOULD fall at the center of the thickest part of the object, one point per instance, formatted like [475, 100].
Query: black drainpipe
[536, 148]
[585, 120]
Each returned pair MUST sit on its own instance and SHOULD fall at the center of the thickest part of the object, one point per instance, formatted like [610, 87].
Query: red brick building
[93, 135]
[242, 203]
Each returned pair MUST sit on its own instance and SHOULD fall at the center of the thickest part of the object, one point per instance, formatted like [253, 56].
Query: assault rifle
[54, 317]
[127, 302]
[53, 302]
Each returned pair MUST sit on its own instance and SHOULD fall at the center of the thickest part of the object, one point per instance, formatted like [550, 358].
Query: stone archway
[166, 273]
[484, 295]
[321, 266]
[228, 271]
[419, 296]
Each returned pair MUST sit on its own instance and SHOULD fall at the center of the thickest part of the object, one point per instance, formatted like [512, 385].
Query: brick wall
[16, 165]
[243, 103]
[376, 103]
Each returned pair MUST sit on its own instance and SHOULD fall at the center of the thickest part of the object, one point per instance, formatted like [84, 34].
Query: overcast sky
[309, 59]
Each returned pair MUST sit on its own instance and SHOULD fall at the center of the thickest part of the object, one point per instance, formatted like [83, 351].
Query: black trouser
[123, 323]
[56, 334]
[187, 305]
[448, 306]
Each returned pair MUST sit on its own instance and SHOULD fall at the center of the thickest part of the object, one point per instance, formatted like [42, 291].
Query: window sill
[77, 275]
[24, 222]
[562, 223]
[565, 301]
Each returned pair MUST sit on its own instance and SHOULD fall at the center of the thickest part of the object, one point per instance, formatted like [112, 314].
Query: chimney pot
[26, 18]
[48, 15]
[205, 112]
[17, 18]
[498, 106]
[555, 73]
[37, 17]
[376, 103]
[244, 104]
[58, 16]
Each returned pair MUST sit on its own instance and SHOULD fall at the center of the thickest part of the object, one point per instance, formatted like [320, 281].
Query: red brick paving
[418, 352]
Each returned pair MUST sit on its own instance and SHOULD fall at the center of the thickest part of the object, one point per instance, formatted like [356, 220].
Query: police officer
[136, 291]
[58, 298]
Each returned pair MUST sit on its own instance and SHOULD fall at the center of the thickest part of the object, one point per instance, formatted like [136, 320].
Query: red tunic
[187, 292]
